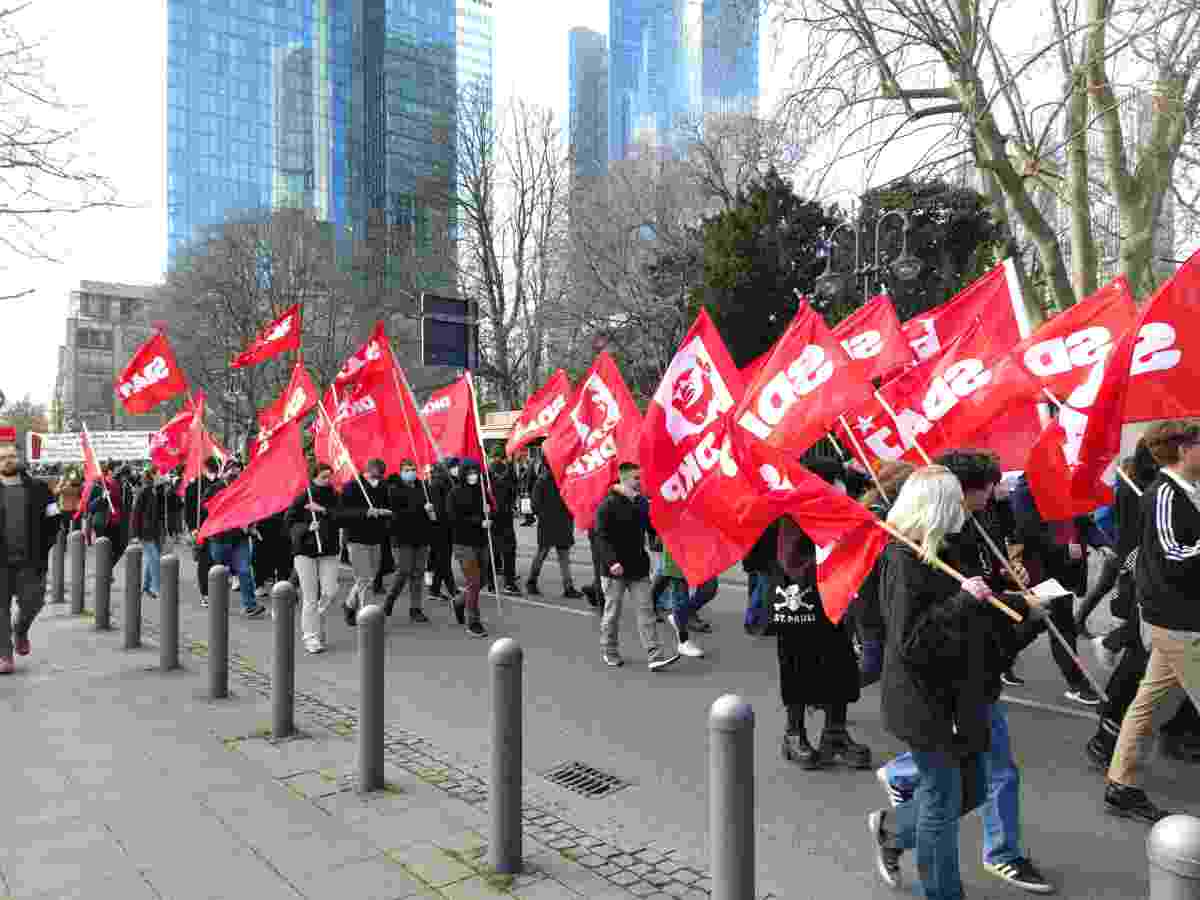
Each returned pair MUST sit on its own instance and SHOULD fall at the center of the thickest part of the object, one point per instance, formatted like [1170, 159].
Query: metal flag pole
[487, 483]
[317, 531]
[103, 486]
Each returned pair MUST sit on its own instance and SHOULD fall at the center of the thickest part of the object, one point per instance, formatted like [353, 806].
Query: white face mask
[454, 472]
[472, 479]
[372, 481]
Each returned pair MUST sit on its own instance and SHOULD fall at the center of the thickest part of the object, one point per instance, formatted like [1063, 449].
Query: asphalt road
[650, 729]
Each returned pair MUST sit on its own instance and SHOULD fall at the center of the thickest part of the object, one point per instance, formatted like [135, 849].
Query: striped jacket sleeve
[1169, 516]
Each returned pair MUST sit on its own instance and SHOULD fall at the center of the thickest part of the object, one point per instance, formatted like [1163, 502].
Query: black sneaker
[1084, 695]
[513, 589]
[1021, 873]
[841, 748]
[572, 594]
[659, 660]
[531, 589]
[887, 860]
[1099, 753]
[350, 614]
[612, 659]
[699, 625]
[418, 615]
[1131, 803]
[460, 609]
[476, 630]
[1012, 679]
[389, 605]
[257, 612]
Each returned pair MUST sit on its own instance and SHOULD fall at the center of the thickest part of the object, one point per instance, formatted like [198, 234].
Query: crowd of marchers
[940, 653]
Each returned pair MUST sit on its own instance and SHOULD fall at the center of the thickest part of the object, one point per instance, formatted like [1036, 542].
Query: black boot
[531, 588]
[797, 749]
[1100, 749]
[838, 747]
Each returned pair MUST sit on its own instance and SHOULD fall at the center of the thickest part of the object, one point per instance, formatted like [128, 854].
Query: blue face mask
[408, 476]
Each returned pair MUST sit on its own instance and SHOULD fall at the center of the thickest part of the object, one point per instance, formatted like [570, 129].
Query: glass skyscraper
[588, 102]
[342, 107]
[674, 59]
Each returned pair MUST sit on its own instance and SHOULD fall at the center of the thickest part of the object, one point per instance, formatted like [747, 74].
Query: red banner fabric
[276, 337]
[873, 338]
[995, 299]
[151, 377]
[540, 412]
[450, 416]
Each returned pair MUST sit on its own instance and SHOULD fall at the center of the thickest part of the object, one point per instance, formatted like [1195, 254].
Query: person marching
[199, 492]
[441, 537]
[412, 530]
[311, 523]
[555, 531]
[466, 511]
[365, 512]
[504, 533]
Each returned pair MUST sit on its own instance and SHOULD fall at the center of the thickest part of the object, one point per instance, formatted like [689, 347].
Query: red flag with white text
[800, 391]
[297, 400]
[269, 484]
[278, 336]
[873, 338]
[91, 471]
[450, 416]
[168, 445]
[151, 377]
[995, 299]
[597, 432]
[540, 412]
[1051, 466]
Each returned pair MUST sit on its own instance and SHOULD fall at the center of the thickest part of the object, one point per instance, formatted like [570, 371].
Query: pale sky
[109, 59]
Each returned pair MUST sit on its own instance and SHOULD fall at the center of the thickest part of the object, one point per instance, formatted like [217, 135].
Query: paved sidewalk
[135, 785]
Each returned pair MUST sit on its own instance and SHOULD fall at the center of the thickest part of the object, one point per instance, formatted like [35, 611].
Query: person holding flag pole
[487, 497]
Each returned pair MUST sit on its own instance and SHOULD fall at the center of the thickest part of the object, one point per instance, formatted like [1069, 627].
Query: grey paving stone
[431, 864]
[53, 858]
[313, 785]
[377, 878]
[301, 856]
[544, 890]
[127, 886]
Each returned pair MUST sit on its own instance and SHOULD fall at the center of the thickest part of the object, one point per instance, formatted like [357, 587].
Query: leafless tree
[1072, 104]
[43, 176]
[245, 273]
[511, 205]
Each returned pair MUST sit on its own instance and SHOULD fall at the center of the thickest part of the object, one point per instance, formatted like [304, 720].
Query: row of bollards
[1173, 846]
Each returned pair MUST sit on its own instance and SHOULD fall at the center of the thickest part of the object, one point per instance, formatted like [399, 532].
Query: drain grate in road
[585, 780]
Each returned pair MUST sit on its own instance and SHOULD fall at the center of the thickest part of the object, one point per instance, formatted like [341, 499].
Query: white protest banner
[65, 446]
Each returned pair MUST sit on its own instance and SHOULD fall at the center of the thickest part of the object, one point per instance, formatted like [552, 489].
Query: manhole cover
[585, 780]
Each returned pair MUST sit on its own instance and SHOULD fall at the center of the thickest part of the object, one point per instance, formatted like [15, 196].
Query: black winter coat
[555, 526]
[41, 529]
[504, 488]
[297, 520]
[146, 520]
[620, 537]
[934, 689]
[361, 528]
[817, 665]
[411, 525]
[465, 510]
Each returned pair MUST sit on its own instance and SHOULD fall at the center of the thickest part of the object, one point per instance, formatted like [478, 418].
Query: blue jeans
[871, 666]
[151, 567]
[235, 555]
[1001, 812]
[930, 824]
[758, 611]
[684, 603]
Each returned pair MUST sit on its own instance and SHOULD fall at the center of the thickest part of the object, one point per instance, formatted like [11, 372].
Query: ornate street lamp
[905, 267]
[830, 283]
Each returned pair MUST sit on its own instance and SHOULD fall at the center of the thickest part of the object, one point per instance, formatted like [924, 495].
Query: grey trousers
[28, 587]
[410, 568]
[615, 591]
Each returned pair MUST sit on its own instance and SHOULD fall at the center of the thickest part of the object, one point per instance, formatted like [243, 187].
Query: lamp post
[905, 267]
[829, 282]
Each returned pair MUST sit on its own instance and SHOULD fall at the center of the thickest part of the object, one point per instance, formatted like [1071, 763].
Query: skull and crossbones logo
[793, 599]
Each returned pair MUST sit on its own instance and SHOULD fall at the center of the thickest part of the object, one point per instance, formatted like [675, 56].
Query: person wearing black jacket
[1167, 572]
[196, 495]
[146, 524]
[365, 512]
[311, 523]
[413, 520]
[470, 522]
[504, 533]
[978, 474]
[272, 554]
[234, 550]
[441, 537]
[555, 531]
[758, 565]
[620, 545]
[29, 521]
[935, 684]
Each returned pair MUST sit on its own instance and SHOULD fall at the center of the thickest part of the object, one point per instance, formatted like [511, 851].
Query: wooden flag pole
[353, 468]
[486, 482]
[1120, 472]
[863, 456]
[412, 440]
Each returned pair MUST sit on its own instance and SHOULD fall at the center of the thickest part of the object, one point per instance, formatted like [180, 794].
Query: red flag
[598, 432]
[688, 472]
[151, 377]
[540, 412]
[450, 415]
[872, 337]
[802, 389]
[1050, 470]
[296, 401]
[1152, 374]
[91, 471]
[749, 372]
[995, 299]
[367, 362]
[168, 445]
[276, 337]
[268, 485]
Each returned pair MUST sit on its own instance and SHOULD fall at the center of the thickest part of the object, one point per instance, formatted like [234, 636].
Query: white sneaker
[314, 647]
[689, 648]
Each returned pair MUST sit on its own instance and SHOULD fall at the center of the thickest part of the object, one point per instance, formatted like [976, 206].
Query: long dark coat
[555, 526]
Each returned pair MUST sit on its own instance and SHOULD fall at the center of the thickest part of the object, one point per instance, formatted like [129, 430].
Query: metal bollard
[731, 798]
[283, 673]
[507, 660]
[78, 566]
[168, 641]
[58, 571]
[1173, 849]
[371, 620]
[102, 584]
[132, 608]
[218, 632]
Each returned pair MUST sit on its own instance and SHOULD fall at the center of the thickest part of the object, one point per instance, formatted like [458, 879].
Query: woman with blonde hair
[934, 684]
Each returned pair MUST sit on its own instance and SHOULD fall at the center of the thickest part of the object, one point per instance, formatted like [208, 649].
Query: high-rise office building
[345, 108]
[671, 60]
[588, 102]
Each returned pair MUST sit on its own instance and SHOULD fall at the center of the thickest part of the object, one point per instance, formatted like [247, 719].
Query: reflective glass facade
[588, 102]
[476, 44]
[671, 59]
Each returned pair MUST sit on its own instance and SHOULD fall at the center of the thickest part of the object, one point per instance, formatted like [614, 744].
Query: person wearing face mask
[470, 518]
[312, 525]
[504, 533]
[366, 512]
[620, 544]
[412, 529]
[199, 492]
[441, 537]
